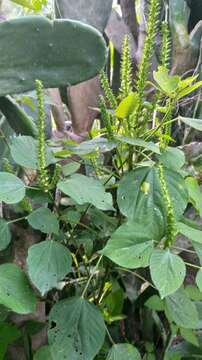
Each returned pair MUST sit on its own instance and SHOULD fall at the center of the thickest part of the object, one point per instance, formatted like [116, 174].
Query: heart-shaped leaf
[44, 220]
[12, 189]
[48, 263]
[76, 329]
[83, 190]
[15, 290]
[130, 246]
[167, 271]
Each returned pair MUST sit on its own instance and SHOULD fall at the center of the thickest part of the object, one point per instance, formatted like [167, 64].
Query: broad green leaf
[123, 351]
[195, 193]
[5, 235]
[127, 106]
[44, 353]
[167, 271]
[130, 246]
[140, 198]
[9, 333]
[24, 152]
[189, 336]
[12, 189]
[83, 190]
[168, 83]
[15, 290]
[76, 330]
[155, 303]
[182, 310]
[172, 158]
[70, 168]
[194, 123]
[190, 232]
[48, 263]
[44, 220]
[139, 142]
[94, 146]
[199, 280]
[193, 292]
[189, 89]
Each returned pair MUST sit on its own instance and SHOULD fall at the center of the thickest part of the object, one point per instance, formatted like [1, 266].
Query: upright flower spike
[126, 69]
[171, 223]
[108, 91]
[166, 44]
[144, 67]
[105, 117]
[42, 170]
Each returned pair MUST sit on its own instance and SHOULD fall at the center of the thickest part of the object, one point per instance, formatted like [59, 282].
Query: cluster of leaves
[101, 230]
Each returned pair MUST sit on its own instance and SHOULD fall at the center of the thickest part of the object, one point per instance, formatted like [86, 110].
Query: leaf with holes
[44, 220]
[48, 263]
[15, 290]
[167, 271]
[130, 246]
[123, 351]
[182, 310]
[76, 330]
[83, 190]
[5, 235]
[140, 198]
[12, 189]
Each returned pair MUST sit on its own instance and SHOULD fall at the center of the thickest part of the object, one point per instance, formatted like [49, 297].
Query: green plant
[46, 56]
[117, 222]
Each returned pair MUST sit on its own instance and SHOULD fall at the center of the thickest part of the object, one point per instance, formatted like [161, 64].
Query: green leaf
[12, 189]
[48, 263]
[123, 351]
[44, 220]
[199, 280]
[193, 292]
[15, 290]
[127, 106]
[9, 333]
[70, 168]
[83, 190]
[195, 193]
[5, 235]
[190, 232]
[139, 142]
[189, 336]
[130, 246]
[35, 5]
[140, 198]
[76, 329]
[155, 303]
[194, 123]
[44, 353]
[167, 271]
[168, 83]
[24, 152]
[182, 310]
[172, 158]
[189, 89]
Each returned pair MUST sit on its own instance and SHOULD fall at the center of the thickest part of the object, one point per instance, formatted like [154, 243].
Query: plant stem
[90, 278]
